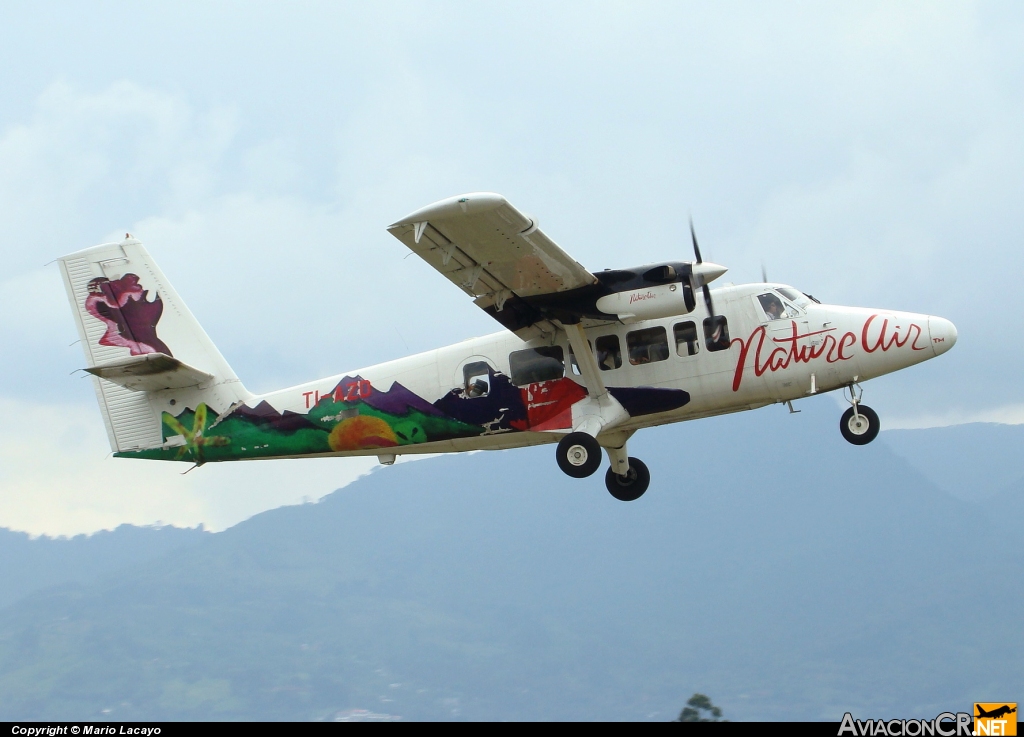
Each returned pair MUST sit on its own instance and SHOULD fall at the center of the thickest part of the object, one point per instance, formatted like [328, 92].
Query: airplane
[1002, 711]
[584, 359]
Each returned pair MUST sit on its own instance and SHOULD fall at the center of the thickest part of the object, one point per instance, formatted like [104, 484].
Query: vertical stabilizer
[142, 340]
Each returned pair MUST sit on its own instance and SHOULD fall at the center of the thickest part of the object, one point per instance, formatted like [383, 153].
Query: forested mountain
[34, 564]
[771, 565]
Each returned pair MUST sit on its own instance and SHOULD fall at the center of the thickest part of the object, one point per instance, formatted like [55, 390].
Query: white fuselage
[813, 348]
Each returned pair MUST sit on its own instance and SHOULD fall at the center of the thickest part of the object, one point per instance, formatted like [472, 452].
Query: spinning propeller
[704, 273]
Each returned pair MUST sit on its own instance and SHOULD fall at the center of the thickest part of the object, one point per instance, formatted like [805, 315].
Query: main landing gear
[859, 424]
[579, 456]
[631, 485]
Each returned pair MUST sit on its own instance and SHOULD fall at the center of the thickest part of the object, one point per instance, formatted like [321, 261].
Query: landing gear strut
[859, 424]
[579, 456]
[627, 478]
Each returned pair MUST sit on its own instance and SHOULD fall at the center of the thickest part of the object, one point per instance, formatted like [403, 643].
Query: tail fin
[146, 351]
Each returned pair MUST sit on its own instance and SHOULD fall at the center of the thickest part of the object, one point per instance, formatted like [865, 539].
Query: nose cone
[707, 272]
[943, 334]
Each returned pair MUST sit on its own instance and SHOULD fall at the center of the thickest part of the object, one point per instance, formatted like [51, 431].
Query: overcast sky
[870, 154]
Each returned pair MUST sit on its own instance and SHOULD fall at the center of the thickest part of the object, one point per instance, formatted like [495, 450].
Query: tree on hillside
[700, 709]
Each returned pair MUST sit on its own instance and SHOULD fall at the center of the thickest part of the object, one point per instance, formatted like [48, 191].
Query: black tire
[861, 431]
[579, 455]
[632, 486]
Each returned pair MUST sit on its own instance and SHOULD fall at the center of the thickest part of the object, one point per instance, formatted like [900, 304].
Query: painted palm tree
[195, 441]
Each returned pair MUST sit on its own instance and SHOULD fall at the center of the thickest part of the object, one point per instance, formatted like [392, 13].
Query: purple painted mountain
[395, 401]
[264, 414]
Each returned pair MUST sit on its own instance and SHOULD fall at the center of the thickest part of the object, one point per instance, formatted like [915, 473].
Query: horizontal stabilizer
[150, 372]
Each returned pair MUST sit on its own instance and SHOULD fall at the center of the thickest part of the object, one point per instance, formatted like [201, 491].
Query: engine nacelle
[648, 303]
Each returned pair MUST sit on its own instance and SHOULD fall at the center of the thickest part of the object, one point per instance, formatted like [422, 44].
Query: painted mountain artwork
[356, 416]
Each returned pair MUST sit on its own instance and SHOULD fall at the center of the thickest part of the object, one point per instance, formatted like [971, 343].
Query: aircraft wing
[498, 256]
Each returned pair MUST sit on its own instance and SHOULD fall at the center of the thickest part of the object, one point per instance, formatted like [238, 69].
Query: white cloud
[871, 154]
[89, 156]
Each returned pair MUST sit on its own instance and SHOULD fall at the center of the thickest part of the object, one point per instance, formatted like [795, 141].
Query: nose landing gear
[859, 424]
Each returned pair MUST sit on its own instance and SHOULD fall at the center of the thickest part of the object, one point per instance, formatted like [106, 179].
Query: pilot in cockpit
[772, 306]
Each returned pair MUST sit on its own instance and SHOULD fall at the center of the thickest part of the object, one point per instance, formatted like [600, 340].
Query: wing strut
[589, 370]
[600, 410]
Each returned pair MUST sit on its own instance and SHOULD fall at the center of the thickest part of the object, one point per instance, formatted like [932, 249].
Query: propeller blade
[764, 273]
[717, 326]
[707, 301]
[696, 248]
[706, 275]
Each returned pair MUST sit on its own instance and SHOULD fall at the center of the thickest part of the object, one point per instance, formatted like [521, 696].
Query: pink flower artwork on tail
[130, 318]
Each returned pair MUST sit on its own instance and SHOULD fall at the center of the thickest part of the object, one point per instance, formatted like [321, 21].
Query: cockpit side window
[775, 308]
[536, 364]
[772, 306]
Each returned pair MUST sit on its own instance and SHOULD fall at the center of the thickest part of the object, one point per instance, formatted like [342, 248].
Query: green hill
[791, 579]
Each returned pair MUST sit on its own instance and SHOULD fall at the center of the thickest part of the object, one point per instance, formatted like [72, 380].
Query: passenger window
[536, 364]
[716, 333]
[478, 379]
[608, 354]
[647, 346]
[572, 359]
[687, 343]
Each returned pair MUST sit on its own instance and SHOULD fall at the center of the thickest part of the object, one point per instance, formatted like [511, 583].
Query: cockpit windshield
[800, 299]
